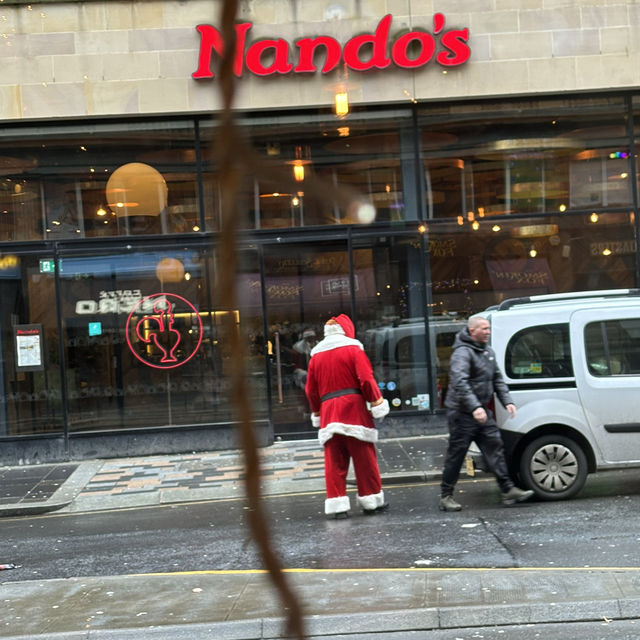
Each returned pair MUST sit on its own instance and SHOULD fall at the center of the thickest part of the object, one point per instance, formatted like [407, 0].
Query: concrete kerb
[319, 626]
[244, 606]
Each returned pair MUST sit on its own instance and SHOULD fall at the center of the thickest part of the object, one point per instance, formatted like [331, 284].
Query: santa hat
[340, 324]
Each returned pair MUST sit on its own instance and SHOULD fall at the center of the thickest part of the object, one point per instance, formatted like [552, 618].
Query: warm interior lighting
[562, 208]
[593, 217]
[496, 228]
[301, 159]
[196, 227]
[342, 104]
[101, 212]
[343, 132]
[295, 201]
[606, 252]
[532, 251]
[460, 220]
[422, 228]
[138, 186]
[475, 225]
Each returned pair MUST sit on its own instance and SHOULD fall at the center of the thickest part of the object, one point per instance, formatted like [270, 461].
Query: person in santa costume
[339, 385]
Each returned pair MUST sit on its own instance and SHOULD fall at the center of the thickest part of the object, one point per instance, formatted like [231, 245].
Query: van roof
[574, 298]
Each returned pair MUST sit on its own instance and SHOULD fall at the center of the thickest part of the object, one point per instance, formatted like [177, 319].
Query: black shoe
[341, 515]
[380, 509]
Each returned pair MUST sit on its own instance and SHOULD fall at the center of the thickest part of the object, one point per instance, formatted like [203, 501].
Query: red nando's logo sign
[410, 50]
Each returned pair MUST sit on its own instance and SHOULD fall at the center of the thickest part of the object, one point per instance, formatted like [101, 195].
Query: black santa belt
[340, 392]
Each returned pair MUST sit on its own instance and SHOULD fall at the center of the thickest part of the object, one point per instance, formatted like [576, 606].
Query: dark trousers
[463, 429]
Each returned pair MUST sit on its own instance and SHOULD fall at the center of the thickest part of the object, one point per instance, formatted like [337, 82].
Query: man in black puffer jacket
[474, 377]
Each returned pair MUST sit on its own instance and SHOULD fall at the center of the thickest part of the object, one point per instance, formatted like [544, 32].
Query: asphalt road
[599, 528]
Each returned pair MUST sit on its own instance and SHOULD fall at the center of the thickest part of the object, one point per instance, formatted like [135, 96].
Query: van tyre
[555, 467]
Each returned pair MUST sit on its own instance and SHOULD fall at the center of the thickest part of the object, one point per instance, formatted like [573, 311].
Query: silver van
[572, 363]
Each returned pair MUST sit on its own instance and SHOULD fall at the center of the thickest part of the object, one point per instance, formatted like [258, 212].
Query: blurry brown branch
[232, 167]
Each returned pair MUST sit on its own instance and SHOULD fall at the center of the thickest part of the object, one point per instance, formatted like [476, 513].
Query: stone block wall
[120, 57]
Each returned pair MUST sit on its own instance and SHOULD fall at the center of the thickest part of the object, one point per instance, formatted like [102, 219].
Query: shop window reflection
[519, 158]
[312, 172]
[474, 269]
[55, 186]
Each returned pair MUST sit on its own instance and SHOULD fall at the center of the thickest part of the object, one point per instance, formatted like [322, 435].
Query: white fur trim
[335, 341]
[336, 505]
[366, 434]
[315, 421]
[380, 410]
[372, 501]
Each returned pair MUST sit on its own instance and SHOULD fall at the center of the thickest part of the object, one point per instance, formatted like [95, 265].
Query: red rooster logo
[158, 328]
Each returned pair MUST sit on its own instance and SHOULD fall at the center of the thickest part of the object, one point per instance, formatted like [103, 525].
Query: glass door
[305, 284]
[30, 373]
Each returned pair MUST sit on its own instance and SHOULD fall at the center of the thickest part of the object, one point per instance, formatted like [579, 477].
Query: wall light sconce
[593, 217]
[532, 251]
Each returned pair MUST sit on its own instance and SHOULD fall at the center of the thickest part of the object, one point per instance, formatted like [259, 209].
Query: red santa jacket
[339, 362]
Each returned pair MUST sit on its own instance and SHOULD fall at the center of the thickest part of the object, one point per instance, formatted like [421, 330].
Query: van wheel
[555, 467]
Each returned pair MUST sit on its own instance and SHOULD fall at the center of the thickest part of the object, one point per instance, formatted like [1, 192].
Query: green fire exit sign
[47, 266]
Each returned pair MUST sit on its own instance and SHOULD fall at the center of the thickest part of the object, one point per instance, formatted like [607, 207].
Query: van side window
[540, 352]
[613, 347]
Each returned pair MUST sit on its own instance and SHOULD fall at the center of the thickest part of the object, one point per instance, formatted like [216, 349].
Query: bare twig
[231, 171]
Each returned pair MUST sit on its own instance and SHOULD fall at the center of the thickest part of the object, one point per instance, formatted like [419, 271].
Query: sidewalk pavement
[242, 605]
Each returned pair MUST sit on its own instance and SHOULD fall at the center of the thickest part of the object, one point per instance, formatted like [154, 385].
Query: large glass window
[313, 169]
[408, 347]
[475, 265]
[143, 339]
[534, 157]
[90, 181]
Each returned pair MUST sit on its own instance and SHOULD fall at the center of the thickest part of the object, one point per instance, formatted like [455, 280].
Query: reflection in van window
[411, 350]
[540, 352]
[613, 347]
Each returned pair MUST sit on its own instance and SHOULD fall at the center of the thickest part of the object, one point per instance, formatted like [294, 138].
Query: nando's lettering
[375, 50]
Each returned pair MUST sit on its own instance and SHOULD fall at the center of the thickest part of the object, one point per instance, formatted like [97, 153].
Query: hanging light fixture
[341, 103]
[301, 159]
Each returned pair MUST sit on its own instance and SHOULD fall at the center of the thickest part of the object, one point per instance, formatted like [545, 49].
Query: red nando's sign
[409, 50]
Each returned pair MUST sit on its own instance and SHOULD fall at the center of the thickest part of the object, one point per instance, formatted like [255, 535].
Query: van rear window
[613, 347]
[540, 352]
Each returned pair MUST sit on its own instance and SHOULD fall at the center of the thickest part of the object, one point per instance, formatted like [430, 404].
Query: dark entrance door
[305, 284]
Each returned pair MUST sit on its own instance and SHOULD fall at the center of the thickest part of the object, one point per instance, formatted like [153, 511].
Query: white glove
[315, 421]
[380, 410]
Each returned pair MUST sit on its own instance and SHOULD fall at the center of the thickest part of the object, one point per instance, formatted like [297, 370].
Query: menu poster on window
[29, 347]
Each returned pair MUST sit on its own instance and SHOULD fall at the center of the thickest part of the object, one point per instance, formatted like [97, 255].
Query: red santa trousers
[337, 452]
